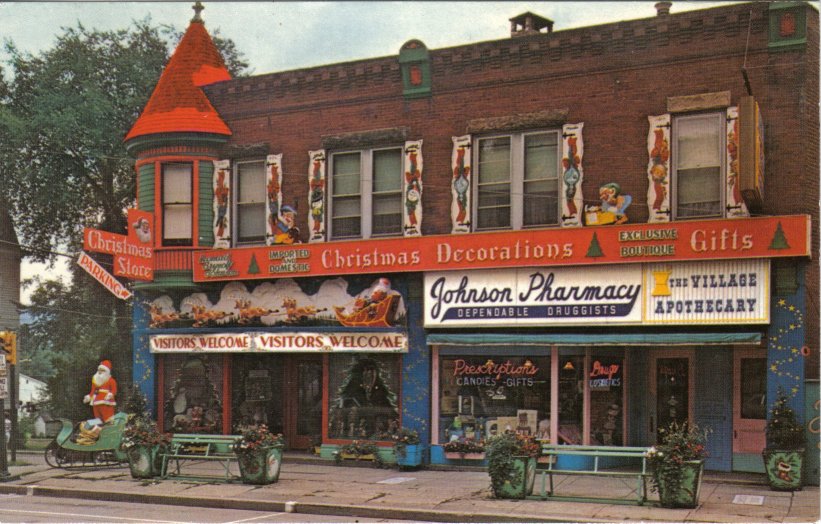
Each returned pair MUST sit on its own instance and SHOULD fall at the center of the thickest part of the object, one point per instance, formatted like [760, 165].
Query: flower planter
[686, 496]
[354, 456]
[784, 468]
[144, 461]
[521, 485]
[455, 455]
[260, 466]
[410, 457]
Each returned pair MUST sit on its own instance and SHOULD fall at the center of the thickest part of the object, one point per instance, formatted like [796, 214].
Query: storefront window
[571, 400]
[606, 394]
[256, 393]
[754, 388]
[193, 393]
[482, 396]
[364, 396]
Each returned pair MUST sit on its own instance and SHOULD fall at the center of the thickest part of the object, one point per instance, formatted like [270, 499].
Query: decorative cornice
[206, 143]
[376, 137]
[541, 119]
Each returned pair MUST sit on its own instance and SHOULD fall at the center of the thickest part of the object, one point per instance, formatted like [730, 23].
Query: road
[21, 508]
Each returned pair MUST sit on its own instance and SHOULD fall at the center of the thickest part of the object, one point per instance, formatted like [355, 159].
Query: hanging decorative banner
[316, 196]
[279, 342]
[573, 174]
[461, 159]
[103, 277]
[133, 253]
[658, 168]
[273, 199]
[222, 208]
[736, 207]
[412, 214]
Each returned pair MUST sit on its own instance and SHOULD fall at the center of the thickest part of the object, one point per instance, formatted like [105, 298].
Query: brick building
[533, 232]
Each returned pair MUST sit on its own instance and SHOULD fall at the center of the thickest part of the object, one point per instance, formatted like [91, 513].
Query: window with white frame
[177, 208]
[517, 181]
[250, 205]
[366, 193]
[698, 165]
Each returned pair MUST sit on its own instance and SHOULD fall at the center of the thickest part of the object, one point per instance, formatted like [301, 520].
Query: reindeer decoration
[249, 314]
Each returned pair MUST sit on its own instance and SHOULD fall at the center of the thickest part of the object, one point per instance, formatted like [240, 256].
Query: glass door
[749, 400]
[303, 379]
[671, 385]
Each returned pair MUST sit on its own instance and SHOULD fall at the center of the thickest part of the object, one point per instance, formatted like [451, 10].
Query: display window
[606, 382]
[257, 392]
[571, 399]
[364, 396]
[481, 396]
[193, 392]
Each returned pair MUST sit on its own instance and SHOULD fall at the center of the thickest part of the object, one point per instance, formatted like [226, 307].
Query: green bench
[638, 469]
[196, 447]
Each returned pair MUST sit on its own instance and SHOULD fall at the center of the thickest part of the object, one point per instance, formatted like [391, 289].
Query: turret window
[177, 206]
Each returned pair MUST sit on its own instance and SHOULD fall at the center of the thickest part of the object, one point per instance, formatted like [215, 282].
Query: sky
[280, 36]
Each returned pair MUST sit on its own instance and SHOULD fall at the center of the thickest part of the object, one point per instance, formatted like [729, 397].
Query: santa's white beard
[101, 377]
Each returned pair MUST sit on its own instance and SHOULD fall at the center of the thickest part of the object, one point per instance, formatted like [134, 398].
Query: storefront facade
[583, 260]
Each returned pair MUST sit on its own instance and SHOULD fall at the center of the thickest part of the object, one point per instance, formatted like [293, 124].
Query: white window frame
[366, 166]
[236, 204]
[517, 182]
[721, 124]
[166, 205]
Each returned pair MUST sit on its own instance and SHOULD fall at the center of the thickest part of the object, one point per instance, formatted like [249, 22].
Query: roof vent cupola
[527, 24]
[663, 8]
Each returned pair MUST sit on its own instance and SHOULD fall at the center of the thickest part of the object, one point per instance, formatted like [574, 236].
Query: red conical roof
[177, 103]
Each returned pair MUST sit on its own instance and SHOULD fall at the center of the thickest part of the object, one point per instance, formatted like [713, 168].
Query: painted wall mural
[658, 168]
[412, 214]
[316, 195]
[736, 208]
[222, 204]
[461, 159]
[284, 303]
[572, 174]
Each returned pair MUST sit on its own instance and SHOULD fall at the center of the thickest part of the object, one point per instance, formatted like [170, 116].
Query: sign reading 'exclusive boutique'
[718, 292]
[280, 342]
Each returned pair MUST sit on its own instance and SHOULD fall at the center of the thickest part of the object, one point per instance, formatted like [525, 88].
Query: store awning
[602, 339]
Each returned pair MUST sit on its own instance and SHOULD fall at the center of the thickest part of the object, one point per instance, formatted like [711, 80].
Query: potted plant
[678, 463]
[359, 450]
[406, 448]
[784, 454]
[511, 464]
[259, 453]
[142, 443]
[465, 448]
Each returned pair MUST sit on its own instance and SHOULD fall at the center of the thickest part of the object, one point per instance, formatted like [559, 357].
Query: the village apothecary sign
[718, 292]
[280, 342]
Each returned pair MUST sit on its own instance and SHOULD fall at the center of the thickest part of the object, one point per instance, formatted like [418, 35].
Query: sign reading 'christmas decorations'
[721, 239]
[133, 253]
[720, 292]
[280, 342]
[530, 296]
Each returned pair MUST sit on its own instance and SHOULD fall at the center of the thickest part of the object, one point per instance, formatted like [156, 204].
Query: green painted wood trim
[146, 187]
[205, 227]
[180, 280]
[748, 462]
[207, 141]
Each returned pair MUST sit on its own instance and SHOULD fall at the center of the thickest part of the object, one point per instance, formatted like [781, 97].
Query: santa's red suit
[103, 391]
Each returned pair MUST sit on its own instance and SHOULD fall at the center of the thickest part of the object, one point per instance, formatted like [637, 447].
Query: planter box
[412, 456]
[687, 494]
[524, 476]
[784, 468]
[353, 456]
[261, 467]
[453, 455]
[144, 462]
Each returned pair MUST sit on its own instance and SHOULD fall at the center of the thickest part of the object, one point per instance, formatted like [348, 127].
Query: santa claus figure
[103, 391]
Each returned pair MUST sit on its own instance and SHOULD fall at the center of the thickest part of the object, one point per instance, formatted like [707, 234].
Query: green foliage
[402, 439]
[783, 429]
[257, 438]
[500, 451]
[359, 449]
[680, 443]
[465, 445]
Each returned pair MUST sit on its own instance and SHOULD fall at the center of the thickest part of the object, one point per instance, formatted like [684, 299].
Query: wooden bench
[196, 447]
[638, 469]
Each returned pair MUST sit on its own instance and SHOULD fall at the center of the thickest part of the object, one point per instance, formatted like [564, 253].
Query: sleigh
[66, 452]
[378, 314]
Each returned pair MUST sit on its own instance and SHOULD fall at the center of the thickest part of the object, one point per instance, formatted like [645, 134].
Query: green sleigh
[64, 452]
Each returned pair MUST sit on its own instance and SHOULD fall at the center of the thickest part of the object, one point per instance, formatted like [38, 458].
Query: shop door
[671, 385]
[749, 400]
[303, 380]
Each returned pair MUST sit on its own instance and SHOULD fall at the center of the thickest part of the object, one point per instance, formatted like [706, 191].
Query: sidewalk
[309, 486]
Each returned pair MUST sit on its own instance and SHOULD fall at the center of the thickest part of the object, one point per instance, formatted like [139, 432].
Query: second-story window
[697, 159]
[177, 209]
[517, 181]
[366, 194]
[250, 191]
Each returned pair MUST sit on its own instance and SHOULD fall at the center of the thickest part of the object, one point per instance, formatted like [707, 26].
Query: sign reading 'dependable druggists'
[721, 239]
[280, 343]
[718, 292]
[533, 296]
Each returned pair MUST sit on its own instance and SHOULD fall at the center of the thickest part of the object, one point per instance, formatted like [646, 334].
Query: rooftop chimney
[663, 8]
[528, 23]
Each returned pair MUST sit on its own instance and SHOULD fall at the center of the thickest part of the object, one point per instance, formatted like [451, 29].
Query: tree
[63, 115]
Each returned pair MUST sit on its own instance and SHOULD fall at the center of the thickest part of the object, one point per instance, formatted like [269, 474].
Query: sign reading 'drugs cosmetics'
[528, 296]
[280, 343]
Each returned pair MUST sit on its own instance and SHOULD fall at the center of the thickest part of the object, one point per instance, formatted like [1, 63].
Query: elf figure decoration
[103, 391]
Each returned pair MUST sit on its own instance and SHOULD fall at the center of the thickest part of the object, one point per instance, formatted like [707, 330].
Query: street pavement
[310, 486]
